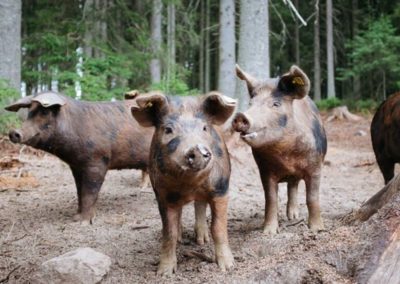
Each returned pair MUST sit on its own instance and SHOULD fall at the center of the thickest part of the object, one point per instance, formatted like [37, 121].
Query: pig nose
[197, 154]
[15, 136]
[241, 123]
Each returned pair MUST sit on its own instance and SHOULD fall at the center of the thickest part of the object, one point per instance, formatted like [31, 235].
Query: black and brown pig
[188, 161]
[385, 135]
[288, 141]
[91, 137]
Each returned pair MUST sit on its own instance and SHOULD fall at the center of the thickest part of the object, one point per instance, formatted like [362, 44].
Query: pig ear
[149, 108]
[218, 107]
[250, 80]
[295, 83]
[49, 99]
[131, 94]
[21, 103]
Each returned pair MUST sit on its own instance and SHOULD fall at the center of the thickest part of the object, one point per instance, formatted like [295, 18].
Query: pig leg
[219, 231]
[170, 220]
[145, 181]
[312, 197]
[387, 168]
[88, 183]
[201, 227]
[271, 205]
[180, 227]
[292, 210]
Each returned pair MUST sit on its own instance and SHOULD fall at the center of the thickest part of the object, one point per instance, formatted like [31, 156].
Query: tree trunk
[171, 41]
[156, 41]
[329, 50]
[10, 42]
[88, 10]
[201, 49]
[207, 48]
[227, 59]
[356, 79]
[297, 35]
[317, 64]
[377, 201]
[253, 54]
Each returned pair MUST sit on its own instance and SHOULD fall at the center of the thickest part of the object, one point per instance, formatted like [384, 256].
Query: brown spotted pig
[188, 161]
[91, 137]
[385, 135]
[284, 129]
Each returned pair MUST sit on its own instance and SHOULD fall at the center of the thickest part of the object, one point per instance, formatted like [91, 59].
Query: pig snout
[198, 157]
[15, 136]
[241, 123]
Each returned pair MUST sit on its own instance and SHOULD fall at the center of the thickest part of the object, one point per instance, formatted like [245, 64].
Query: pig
[385, 135]
[188, 161]
[284, 129]
[91, 137]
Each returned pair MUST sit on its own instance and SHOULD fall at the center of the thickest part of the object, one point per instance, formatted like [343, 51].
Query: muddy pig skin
[188, 161]
[91, 137]
[284, 129]
[385, 135]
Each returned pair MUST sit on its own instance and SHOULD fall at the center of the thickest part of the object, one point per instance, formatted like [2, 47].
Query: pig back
[385, 129]
[106, 132]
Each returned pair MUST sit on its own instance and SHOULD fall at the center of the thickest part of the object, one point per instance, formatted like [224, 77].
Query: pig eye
[44, 111]
[276, 104]
[168, 130]
[205, 128]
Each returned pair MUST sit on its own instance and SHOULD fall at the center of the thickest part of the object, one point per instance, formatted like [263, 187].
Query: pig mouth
[251, 135]
[33, 140]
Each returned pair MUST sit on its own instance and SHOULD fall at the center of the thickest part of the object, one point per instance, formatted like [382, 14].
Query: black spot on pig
[215, 135]
[221, 187]
[217, 150]
[90, 144]
[105, 160]
[282, 120]
[159, 159]
[44, 126]
[173, 145]
[319, 137]
[121, 108]
[173, 197]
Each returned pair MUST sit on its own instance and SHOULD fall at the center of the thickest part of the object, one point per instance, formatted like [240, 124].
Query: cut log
[342, 113]
[378, 200]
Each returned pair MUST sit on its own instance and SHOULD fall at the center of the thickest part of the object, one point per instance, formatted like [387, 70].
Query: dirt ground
[38, 199]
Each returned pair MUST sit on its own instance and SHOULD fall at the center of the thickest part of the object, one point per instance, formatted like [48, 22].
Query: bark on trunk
[207, 49]
[10, 42]
[329, 50]
[253, 54]
[317, 64]
[171, 41]
[377, 201]
[227, 59]
[156, 41]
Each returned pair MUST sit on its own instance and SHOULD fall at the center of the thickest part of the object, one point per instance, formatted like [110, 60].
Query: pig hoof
[270, 229]
[83, 218]
[292, 214]
[166, 268]
[202, 236]
[224, 258]
[316, 226]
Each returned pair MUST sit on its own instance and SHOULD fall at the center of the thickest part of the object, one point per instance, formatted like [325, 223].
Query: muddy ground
[38, 199]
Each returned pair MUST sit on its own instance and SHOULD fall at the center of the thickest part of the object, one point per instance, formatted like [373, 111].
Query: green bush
[7, 119]
[328, 104]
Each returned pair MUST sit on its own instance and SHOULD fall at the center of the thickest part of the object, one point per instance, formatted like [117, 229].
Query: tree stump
[379, 199]
[342, 113]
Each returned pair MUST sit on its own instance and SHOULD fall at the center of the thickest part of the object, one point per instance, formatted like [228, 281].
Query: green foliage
[328, 104]
[174, 86]
[375, 52]
[8, 120]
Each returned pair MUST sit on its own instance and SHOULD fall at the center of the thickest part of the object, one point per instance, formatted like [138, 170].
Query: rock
[360, 133]
[83, 265]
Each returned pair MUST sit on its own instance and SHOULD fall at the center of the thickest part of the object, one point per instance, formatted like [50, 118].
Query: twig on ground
[7, 278]
[17, 239]
[140, 228]
[202, 256]
[295, 223]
